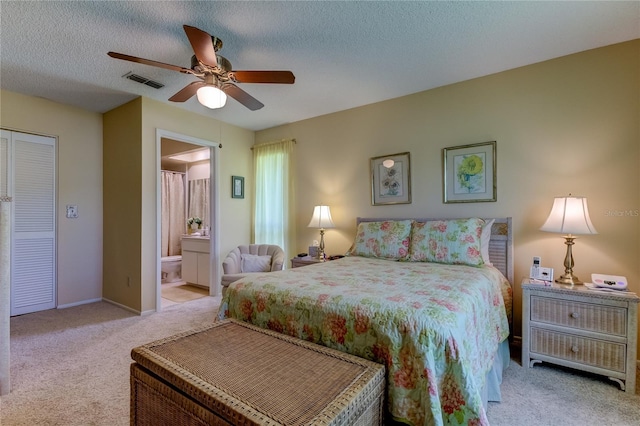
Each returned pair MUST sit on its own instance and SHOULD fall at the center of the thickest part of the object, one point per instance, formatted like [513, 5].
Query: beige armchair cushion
[255, 263]
[254, 259]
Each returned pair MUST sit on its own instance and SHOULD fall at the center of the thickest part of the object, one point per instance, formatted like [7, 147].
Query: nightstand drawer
[610, 320]
[593, 352]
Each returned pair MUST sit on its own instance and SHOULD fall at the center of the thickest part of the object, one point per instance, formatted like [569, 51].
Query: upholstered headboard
[500, 245]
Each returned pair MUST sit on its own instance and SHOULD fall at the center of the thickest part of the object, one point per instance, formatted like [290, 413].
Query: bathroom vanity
[195, 260]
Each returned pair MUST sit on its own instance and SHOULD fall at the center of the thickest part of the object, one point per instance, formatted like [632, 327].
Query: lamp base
[569, 279]
[321, 255]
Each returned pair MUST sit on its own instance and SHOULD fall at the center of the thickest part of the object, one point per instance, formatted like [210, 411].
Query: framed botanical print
[469, 173]
[391, 179]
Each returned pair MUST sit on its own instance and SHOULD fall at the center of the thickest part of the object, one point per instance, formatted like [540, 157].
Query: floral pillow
[386, 240]
[484, 240]
[455, 241]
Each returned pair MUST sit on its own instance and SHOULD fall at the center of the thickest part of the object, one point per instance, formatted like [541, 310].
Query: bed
[431, 299]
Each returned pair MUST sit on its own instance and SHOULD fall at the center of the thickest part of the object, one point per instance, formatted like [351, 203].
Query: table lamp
[569, 215]
[321, 219]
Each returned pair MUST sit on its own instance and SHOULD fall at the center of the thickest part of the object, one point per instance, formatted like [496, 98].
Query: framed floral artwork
[391, 179]
[469, 173]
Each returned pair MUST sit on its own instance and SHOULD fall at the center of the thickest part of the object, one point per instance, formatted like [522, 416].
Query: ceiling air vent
[143, 80]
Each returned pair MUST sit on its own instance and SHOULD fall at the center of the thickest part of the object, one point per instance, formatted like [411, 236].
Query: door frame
[214, 209]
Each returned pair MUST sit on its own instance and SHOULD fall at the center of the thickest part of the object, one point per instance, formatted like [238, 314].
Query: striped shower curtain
[174, 222]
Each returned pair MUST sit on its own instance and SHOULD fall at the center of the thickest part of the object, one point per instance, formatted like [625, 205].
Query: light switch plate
[72, 211]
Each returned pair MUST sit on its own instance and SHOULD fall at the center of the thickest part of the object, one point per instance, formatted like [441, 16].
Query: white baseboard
[102, 299]
[121, 306]
[82, 302]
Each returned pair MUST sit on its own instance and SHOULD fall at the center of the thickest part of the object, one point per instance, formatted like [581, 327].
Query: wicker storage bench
[233, 373]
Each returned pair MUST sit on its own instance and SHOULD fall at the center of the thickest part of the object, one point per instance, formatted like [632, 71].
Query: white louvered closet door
[33, 248]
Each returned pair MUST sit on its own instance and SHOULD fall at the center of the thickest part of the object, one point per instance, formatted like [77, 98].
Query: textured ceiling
[343, 54]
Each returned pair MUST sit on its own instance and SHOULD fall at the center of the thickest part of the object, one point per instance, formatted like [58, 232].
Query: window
[273, 214]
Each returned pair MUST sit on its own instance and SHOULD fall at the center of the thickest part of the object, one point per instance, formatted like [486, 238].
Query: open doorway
[187, 193]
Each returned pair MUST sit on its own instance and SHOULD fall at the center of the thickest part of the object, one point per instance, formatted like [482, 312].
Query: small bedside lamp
[569, 215]
[321, 219]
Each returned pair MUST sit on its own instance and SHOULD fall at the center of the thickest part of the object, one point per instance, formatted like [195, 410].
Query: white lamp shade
[211, 97]
[321, 218]
[569, 215]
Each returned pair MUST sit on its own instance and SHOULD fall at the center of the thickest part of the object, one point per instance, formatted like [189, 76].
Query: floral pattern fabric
[455, 241]
[386, 240]
[435, 327]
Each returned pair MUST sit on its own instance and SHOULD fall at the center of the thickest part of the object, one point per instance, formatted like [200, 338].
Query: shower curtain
[199, 200]
[173, 213]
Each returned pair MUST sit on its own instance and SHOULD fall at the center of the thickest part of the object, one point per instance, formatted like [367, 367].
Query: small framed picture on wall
[237, 187]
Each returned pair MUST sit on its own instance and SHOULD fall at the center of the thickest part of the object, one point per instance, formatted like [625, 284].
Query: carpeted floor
[71, 367]
[547, 395]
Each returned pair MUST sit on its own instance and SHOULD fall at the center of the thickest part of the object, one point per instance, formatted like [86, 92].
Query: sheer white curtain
[199, 200]
[274, 218]
[173, 217]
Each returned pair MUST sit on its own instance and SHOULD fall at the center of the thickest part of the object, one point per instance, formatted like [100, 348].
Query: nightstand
[298, 262]
[588, 330]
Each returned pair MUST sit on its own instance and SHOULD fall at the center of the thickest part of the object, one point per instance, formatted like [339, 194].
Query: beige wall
[129, 272]
[568, 125]
[233, 159]
[122, 170]
[79, 169]
[199, 170]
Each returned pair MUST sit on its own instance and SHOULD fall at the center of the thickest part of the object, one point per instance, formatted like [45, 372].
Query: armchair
[248, 259]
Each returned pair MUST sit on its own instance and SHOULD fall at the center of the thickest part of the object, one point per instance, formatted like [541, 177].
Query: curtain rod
[270, 143]
[173, 171]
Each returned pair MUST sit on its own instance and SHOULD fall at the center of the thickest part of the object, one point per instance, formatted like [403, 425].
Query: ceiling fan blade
[241, 96]
[187, 92]
[149, 62]
[276, 77]
[202, 45]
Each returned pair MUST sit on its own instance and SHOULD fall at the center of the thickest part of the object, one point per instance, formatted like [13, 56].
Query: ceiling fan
[217, 79]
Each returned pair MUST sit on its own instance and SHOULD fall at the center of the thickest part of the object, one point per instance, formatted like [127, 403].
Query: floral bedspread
[436, 327]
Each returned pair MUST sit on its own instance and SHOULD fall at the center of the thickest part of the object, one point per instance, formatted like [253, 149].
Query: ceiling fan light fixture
[214, 72]
[211, 97]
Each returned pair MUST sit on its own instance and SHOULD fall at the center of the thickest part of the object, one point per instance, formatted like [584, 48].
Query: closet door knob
[575, 315]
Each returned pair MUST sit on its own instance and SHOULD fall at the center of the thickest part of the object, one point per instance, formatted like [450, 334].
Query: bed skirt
[491, 389]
